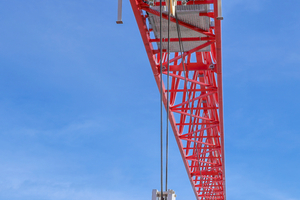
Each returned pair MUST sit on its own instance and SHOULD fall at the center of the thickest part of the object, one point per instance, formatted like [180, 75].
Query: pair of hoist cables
[161, 101]
[188, 94]
[161, 96]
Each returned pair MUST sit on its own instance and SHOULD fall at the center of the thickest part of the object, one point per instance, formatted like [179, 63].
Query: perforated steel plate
[188, 14]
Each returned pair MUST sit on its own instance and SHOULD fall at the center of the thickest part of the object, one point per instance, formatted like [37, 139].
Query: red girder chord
[196, 119]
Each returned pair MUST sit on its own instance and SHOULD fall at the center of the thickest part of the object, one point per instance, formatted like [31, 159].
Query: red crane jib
[196, 113]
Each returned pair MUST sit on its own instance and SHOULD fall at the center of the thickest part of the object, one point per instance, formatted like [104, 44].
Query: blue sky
[79, 108]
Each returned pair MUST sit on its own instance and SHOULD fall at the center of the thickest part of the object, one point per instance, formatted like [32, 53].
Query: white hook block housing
[169, 195]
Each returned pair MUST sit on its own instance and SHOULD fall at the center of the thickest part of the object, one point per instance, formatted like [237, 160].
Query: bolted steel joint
[183, 2]
[151, 2]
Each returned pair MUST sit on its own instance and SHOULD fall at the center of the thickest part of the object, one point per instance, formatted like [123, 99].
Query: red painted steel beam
[192, 81]
[210, 173]
[189, 52]
[189, 39]
[194, 90]
[209, 14]
[196, 113]
[220, 82]
[188, 67]
[189, 3]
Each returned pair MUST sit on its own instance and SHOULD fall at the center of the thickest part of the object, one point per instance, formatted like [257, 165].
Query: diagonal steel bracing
[196, 106]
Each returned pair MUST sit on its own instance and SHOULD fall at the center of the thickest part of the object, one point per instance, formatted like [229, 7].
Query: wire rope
[188, 93]
[168, 94]
[161, 103]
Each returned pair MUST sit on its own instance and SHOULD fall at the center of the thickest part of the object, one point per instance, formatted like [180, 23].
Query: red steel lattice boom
[196, 112]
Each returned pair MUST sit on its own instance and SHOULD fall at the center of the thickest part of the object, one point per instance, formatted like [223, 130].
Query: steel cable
[188, 93]
[161, 103]
[168, 91]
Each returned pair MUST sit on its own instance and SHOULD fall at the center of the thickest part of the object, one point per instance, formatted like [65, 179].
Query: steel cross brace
[196, 112]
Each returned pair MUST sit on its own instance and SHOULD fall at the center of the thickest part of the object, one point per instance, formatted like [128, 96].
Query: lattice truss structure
[196, 106]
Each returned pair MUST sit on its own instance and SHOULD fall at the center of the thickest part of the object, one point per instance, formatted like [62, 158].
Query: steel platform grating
[188, 14]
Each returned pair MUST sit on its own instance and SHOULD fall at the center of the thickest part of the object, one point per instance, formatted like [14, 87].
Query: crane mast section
[195, 93]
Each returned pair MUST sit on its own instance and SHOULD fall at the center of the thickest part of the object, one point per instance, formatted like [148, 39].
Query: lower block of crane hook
[167, 195]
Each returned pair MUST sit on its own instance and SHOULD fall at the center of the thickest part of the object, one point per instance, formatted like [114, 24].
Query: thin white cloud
[60, 191]
[246, 187]
[254, 5]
